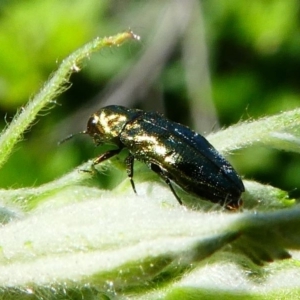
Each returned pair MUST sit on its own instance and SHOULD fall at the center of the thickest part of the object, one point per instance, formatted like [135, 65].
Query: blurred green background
[207, 64]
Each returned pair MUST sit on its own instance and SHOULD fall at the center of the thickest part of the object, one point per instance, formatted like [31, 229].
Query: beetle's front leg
[155, 168]
[129, 161]
[102, 158]
[106, 156]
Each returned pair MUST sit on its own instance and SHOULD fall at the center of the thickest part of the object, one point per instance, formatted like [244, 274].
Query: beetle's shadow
[195, 203]
[145, 175]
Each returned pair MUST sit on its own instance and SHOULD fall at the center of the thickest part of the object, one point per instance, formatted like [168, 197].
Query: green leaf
[281, 131]
[118, 242]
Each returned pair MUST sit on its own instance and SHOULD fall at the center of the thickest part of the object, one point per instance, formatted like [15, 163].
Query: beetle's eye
[92, 126]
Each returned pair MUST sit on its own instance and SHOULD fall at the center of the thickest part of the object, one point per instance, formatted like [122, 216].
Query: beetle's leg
[129, 167]
[106, 156]
[155, 168]
[102, 158]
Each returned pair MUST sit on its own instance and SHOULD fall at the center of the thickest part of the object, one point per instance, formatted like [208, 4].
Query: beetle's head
[106, 125]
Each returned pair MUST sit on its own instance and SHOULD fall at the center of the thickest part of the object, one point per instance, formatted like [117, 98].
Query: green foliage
[32, 40]
[252, 54]
[70, 237]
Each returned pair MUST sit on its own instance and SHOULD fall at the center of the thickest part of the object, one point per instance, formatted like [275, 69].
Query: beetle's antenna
[70, 136]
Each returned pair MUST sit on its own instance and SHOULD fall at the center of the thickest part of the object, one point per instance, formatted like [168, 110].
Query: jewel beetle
[173, 151]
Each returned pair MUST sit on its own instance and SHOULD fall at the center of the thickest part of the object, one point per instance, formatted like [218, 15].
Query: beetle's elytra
[175, 152]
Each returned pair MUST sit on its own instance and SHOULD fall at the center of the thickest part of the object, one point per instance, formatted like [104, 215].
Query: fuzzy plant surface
[68, 239]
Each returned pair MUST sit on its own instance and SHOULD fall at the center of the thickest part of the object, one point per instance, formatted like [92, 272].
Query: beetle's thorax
[106, 125]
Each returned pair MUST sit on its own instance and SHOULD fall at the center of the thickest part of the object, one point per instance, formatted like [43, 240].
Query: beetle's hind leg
[129, 161]
[155, 168]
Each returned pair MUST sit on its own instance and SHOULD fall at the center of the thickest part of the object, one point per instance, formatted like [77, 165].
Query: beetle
[173, 151]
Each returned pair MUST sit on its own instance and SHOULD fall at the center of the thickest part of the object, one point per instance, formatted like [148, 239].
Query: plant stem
[56, 84]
